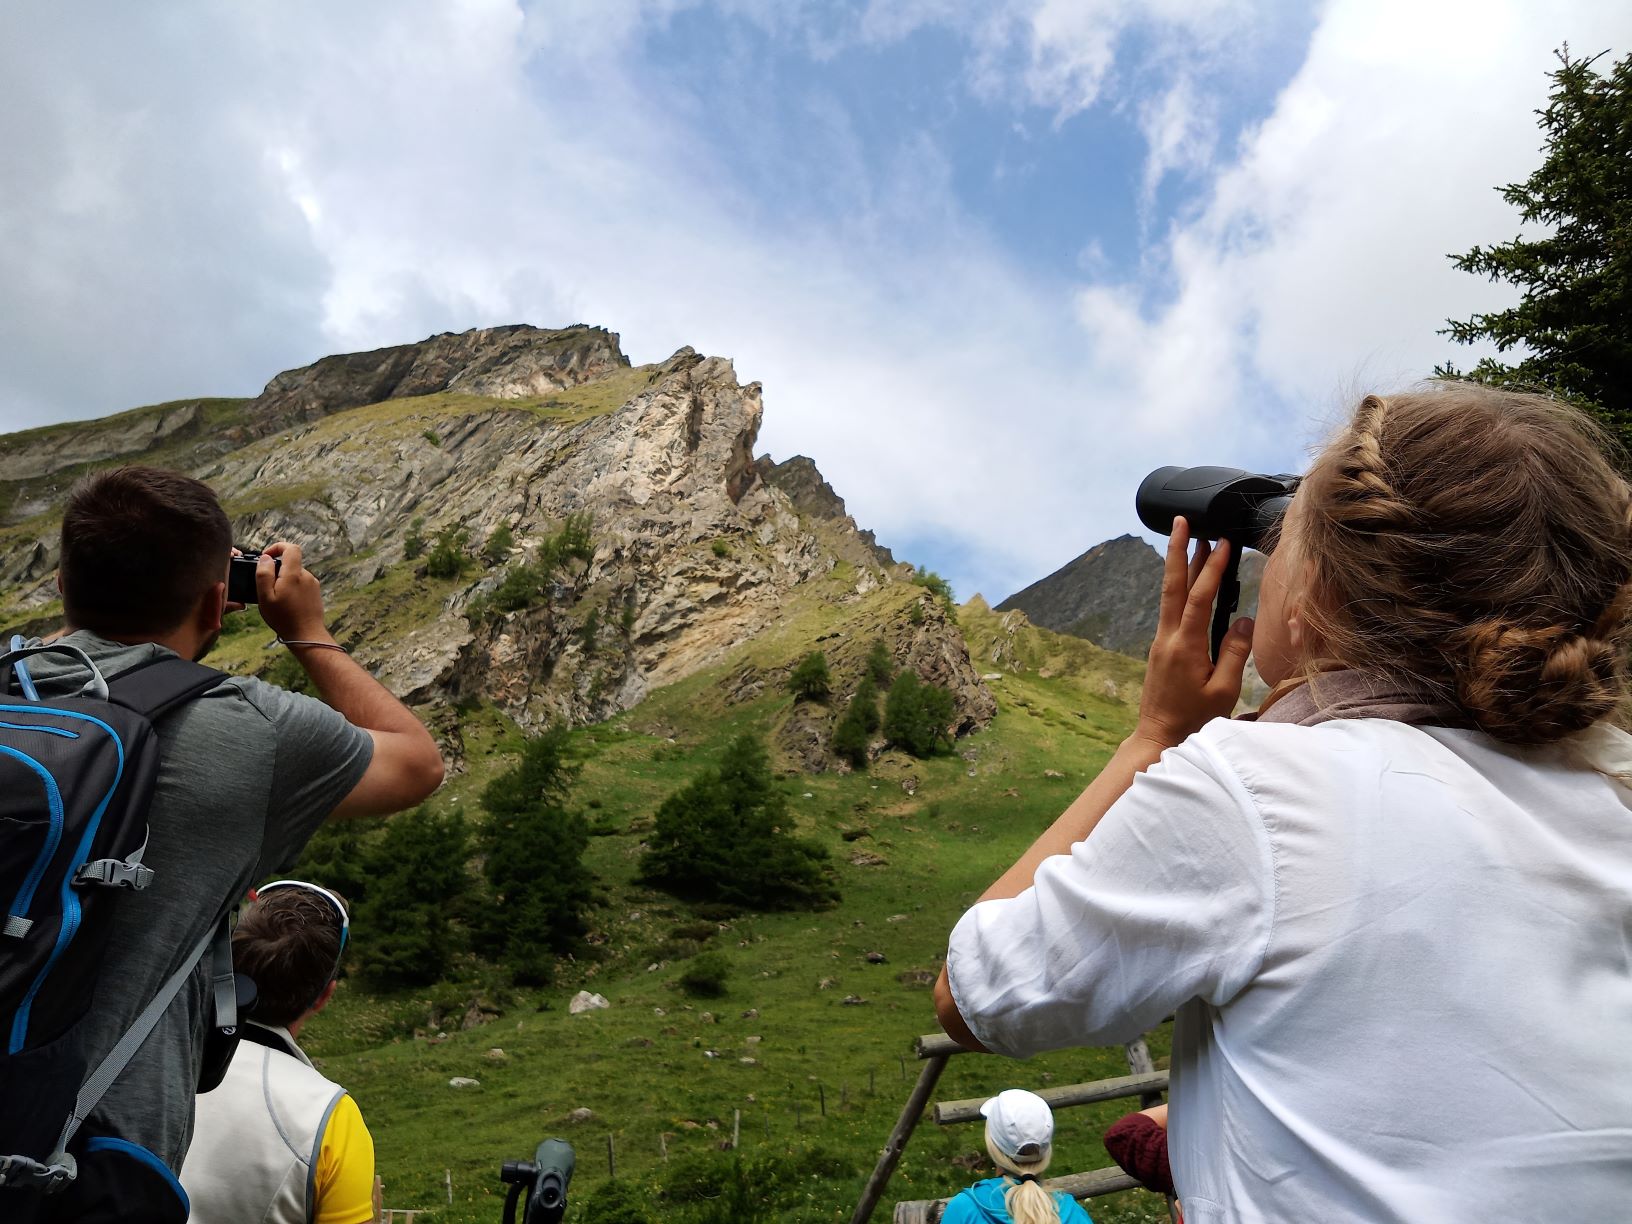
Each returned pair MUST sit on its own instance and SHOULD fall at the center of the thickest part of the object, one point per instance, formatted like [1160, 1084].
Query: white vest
[256, 1138]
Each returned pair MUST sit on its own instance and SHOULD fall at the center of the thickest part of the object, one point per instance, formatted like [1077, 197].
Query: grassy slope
[641, 1066]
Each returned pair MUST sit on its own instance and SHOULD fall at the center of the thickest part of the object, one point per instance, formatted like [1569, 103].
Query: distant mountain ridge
[1107, 595]
[1110, 595]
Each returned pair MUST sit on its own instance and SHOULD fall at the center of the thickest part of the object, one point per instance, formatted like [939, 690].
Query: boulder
[585, 1001]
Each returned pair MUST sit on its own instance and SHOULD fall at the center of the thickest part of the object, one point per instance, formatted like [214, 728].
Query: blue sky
[991, 259]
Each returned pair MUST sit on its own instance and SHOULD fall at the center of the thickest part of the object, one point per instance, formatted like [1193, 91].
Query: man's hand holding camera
[290, 597]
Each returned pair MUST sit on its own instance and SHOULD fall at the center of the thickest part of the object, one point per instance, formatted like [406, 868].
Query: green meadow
[808, 1055]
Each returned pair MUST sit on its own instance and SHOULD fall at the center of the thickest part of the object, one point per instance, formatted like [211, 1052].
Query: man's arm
[406, 765]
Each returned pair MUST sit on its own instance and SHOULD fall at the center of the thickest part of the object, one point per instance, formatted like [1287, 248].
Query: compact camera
[241, 577]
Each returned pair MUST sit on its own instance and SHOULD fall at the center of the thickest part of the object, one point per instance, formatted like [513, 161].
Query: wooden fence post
[897, 1144]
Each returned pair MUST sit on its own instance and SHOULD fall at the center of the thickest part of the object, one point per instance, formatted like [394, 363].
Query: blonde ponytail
[1027, 1202]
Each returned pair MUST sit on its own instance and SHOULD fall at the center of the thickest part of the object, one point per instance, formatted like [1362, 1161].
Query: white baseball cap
[1020, 1124]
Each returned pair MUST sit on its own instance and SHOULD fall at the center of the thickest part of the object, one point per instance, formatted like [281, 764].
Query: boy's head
[142, 552]
[288, 941]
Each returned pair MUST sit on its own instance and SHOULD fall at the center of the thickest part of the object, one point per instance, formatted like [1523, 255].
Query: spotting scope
[1219, 503]
[542, 1181]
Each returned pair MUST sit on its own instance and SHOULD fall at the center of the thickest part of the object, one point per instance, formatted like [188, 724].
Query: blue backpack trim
[107, 1143]
[53, 799]
[70, 900]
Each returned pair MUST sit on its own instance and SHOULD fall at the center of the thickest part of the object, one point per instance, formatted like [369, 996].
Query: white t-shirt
[1400, 958]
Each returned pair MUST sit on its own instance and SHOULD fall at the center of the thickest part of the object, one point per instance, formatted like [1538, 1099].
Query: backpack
[76, 778]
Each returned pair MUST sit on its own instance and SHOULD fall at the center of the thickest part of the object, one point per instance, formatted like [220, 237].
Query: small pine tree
[721, 838]
[413, 546]
[810, 681]
[417, 881]
[916, 715]
[499, 543]
[535, 847]
[590, 631]
[880, 667]
[854, 734]
[706, 976]
[448, 559]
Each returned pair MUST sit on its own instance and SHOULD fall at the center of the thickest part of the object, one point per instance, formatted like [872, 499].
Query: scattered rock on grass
[877, 958]
[584, 1001]
[581, 1115]
[464, 1081]
[853, 1000]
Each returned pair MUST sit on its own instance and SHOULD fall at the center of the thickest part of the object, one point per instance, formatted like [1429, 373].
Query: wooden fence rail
[948, 1112]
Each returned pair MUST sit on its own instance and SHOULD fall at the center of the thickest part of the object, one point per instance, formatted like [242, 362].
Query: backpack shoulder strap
[117, 1059]
[156, 686]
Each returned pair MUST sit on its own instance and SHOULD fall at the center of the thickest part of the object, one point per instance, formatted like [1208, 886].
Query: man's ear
[211, 608]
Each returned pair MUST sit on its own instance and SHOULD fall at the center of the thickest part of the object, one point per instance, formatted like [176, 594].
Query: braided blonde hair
[1026, 1201]
[1480, 542]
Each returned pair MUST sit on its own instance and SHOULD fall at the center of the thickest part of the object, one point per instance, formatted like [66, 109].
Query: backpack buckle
[114, 873]
[47, 1179]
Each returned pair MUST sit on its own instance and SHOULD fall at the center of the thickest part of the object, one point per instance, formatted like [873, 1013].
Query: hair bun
[1535, 685]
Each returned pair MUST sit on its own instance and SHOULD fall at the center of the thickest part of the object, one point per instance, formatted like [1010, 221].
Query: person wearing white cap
[1020, 1141]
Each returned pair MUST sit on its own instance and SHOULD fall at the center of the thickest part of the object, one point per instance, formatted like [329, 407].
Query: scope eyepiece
[539, 1186]
[1218, 503]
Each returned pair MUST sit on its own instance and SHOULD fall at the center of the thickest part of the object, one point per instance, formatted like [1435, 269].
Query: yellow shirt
[345, 1168]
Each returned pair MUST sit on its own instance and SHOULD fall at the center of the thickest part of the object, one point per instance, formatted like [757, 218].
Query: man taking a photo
[248, 771]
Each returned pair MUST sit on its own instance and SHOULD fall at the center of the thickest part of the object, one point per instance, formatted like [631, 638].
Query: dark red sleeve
[1140, 1147]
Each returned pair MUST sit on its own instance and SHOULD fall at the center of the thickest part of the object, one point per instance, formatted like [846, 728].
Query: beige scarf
[1602, 747]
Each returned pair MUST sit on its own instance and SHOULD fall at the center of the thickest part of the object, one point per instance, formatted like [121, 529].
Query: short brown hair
[139, 547]
[288, 943]
[1480, 542]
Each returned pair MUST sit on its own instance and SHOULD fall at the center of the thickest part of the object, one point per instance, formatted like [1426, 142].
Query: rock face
[497, 362]
[813, 496]
[1110, 595]
[696, 548]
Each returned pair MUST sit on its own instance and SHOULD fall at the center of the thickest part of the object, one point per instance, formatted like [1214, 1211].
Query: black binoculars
[543, 1180]
[1218, 503]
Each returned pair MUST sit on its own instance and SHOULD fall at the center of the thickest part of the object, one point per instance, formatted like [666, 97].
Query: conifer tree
[724, 837]
[534, 846]
[418, 882]
[810, 681]
[880, 667]
[1574, 322]
[854, 733]
[916, 715]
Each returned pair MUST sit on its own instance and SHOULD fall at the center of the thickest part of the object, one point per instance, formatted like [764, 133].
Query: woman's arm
[1183, 690]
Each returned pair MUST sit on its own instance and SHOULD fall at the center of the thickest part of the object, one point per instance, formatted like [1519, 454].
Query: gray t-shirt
[247, 774]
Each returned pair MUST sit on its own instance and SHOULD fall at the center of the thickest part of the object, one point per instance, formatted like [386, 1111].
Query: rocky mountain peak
[512, 362]
[811, 495]
[480, 452]
[1106, 595]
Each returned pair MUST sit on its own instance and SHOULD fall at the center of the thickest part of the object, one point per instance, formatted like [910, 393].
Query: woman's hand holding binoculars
[1184, 688]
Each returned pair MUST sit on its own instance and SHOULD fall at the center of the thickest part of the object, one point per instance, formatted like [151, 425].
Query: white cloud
[320, 178]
